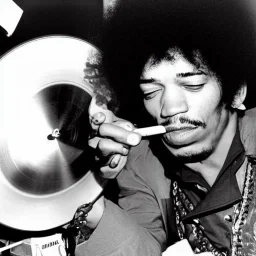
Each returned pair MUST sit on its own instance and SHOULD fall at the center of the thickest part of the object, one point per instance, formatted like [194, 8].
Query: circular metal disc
[45, 160]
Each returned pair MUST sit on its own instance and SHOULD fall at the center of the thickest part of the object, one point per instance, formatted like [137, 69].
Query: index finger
[119, 134]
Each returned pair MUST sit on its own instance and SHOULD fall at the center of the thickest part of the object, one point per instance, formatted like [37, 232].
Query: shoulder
[141, 158]
[144, 163]
[141, 151]
[247, 126]
[250, 113]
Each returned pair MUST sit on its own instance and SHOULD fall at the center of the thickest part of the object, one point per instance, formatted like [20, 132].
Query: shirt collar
[225, 190]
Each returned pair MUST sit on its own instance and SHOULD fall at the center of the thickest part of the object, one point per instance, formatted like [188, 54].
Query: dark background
[78, 18]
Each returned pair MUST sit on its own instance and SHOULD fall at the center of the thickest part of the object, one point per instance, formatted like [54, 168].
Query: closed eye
[149, 95]
[193, 87]
[150, 88]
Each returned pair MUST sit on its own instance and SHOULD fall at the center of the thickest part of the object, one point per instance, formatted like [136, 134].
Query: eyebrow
[188, 74]
[179, 75]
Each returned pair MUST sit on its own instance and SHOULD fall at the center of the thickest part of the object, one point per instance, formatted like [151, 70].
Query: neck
[210, 167]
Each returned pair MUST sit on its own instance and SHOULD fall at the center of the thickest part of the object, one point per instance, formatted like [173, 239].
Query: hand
[182, 248]
[113, 139]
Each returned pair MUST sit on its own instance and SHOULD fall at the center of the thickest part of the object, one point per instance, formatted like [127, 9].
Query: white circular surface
[24, 71]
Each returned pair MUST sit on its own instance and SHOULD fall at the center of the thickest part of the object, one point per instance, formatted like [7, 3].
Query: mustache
[183, 120]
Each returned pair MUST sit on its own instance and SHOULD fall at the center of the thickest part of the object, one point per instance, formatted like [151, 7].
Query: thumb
[99, 114]
[98, 118]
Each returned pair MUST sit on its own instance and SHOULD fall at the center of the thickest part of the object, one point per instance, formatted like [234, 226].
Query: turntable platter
[45, 161]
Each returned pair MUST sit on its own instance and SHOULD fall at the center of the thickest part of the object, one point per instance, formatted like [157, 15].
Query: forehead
[174, 62]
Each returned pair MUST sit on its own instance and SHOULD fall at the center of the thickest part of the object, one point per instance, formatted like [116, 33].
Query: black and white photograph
[127, 127]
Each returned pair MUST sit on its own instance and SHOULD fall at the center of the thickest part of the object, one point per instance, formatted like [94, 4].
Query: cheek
[209, 114]
[207, 105]
[215, 118]
[153, 108]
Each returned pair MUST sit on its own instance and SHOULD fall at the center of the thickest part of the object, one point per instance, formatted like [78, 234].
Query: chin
[193, 156]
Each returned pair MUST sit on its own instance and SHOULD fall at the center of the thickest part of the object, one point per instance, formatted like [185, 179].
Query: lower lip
[183, 136]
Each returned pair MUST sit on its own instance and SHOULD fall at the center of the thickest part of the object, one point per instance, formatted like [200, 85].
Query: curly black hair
[223, 31]
[94, 75]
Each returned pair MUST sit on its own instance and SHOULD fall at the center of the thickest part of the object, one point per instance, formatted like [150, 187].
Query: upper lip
[178, 128]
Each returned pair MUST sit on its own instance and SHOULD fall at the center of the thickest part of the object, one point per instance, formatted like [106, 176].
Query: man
[191, 65]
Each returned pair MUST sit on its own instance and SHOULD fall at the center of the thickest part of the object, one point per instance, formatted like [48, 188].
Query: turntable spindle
[55, 134]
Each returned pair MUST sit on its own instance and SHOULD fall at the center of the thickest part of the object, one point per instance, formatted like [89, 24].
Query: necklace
[241, 210]
[183, 205]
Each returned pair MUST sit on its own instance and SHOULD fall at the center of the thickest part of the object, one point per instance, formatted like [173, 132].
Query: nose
[173, 102]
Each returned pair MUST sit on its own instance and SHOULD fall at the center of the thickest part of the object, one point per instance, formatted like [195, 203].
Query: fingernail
[98, 118]
[128, 127]
[133, 139]
[125, 151]
[113, 164]
[115, 161]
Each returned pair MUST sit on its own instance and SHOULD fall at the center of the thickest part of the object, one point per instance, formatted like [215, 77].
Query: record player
[45, 161]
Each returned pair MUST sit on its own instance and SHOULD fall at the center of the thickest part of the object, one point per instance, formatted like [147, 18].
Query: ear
[239, 98]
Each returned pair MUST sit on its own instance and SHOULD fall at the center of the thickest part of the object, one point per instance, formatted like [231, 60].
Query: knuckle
[102, 145]
[109, 147]
[124, 124]
[102, 129]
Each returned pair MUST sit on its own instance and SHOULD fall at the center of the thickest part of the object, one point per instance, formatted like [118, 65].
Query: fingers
[110, 154]
[115, 146]
[112, 138]
[110, 172]
[114, 161]
[119, 134]
[99, 115]
[108, 147]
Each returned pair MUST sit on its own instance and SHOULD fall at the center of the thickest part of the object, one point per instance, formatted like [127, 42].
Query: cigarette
[153, 130]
